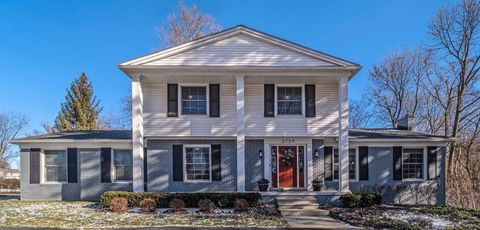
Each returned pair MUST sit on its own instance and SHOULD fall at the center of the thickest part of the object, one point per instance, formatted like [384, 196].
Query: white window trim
[357, 167]
[180, 110]
[185, 162]
[424, 166]
[43, 176]
[276, 100]
[112, 167]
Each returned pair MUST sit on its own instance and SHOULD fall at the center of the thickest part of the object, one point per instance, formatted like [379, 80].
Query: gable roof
[239, 46]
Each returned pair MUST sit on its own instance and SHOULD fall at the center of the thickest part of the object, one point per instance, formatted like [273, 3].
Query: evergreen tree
[81, 109]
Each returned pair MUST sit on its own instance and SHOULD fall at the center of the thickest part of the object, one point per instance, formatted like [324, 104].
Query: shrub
[119, 204]
[148, 205]
[360, 199]
[177, 204]
[221, 200]
[206, 205]
[241, 205]
[351, 200]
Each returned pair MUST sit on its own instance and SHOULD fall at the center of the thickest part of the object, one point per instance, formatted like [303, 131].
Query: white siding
[241, 50]
[325, 122]
[156, 122]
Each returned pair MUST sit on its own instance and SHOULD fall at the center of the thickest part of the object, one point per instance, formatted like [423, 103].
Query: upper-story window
[122, 165]
[194, 100]
[55, 165]
[352, 164]
[289, 100]
[412, 163]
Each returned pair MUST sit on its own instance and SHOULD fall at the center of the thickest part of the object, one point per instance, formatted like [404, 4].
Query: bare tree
[11, 125]
[360, 115]
[455, 31]
[186, 24]
[395, 85]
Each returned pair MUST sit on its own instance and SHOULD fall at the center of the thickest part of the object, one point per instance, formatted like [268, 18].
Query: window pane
[289, 100]
[412, 165]
[194, 100]
[55, 165]
[123, 157]
[352, 161]
[123, 164]
[123, 173]
[197, 164]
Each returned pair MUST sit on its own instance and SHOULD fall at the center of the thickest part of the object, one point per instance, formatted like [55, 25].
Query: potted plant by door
[317, 184]
[263, 184]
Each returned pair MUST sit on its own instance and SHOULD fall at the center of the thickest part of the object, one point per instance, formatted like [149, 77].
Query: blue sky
[44, 45]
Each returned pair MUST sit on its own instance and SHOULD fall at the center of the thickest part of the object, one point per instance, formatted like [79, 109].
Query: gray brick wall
[91, 186]
[160, 167]
[317, 144]
[380, 173]
[88, 188]
[253, 164]
[44, 191]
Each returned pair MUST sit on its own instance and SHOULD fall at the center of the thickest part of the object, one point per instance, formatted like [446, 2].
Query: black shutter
[35, 166]
[363, 160]
[72, 165]
[269, 101]
[310, 101]
[106, 165]
[214, 100]
[177, 158]
[172, 93]
[432, 172]
[327, 162]
[145, 169]
[216, 163]
[397, 163]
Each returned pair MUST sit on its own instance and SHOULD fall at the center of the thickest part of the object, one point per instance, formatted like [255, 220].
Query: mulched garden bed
[408, 217]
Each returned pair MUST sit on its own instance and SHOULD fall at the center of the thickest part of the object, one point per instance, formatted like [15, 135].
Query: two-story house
[223, 111]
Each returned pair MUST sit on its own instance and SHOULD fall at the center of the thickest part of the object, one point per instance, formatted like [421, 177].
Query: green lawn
[60, 214]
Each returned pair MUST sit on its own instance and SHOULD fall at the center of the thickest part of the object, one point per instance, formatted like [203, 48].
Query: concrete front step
[296, 202]
[304, 212]
[295, 198]
[299, 206]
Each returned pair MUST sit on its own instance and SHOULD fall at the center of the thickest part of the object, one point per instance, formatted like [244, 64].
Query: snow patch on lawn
[437, 222]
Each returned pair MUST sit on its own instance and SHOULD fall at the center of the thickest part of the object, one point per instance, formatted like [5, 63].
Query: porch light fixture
[317, 153]
[260, 153]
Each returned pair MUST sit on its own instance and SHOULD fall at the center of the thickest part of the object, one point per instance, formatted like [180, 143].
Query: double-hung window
[352, 164]
[412, 163]
[55, 165]
[197, 163]
[289, 100]
[122, 165]
[194, 100]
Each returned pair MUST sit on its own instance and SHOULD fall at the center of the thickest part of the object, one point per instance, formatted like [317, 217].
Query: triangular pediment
[239, 46]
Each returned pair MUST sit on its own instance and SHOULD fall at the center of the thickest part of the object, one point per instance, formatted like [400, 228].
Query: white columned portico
[309, 166]
[137, 133]
[343, 179]
[240, 89]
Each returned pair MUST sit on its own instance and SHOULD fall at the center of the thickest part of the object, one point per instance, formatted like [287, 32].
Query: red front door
[287, 166]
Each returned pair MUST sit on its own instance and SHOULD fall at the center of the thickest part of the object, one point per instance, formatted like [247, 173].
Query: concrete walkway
[315, 222]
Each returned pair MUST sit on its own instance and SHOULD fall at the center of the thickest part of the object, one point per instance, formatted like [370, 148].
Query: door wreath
[288, 157]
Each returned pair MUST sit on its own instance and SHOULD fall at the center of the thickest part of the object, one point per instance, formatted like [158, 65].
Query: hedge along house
[225, 110]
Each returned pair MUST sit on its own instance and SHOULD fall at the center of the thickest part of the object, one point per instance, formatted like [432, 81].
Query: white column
[240, 82]
[267, 161]
[137, 133]
[343, 179]
[309, 167]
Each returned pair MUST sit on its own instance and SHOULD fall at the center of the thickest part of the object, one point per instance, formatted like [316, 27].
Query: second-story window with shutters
[194, 100]
[289, 100]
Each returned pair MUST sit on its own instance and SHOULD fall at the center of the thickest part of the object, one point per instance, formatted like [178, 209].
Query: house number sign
[288, 141]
